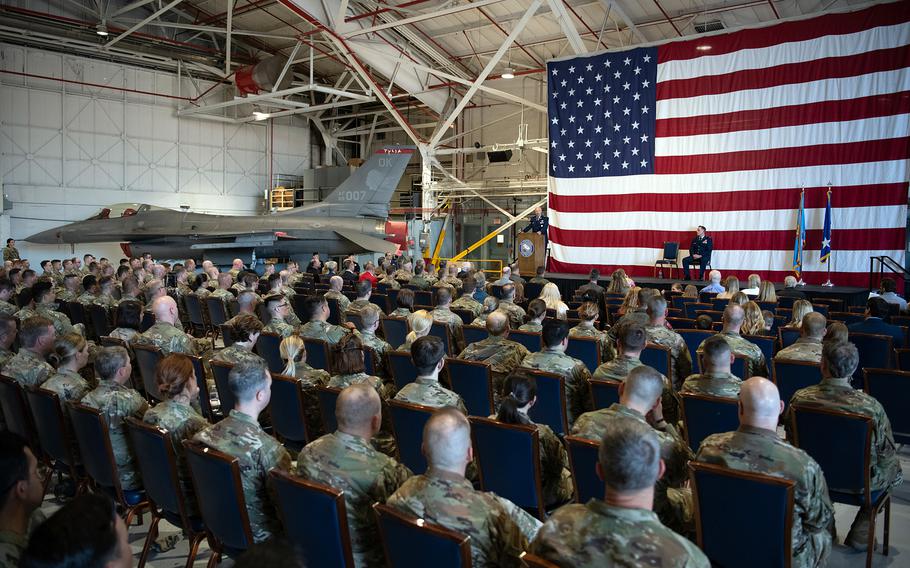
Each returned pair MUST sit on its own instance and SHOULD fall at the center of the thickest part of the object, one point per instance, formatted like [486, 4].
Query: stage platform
[851, 295]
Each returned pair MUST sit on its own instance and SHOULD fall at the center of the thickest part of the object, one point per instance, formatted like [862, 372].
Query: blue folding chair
[679, 302]
[314, 517]
[791, 376]
[891, 388]
[585, 349]
[530, 339]
[551, 402]
[53, 431]
[604, 393]
[728, 499]
[288, 412]
[657, 357]
[704, 415]
[402, 367]
[318, 355]
[765, 343]
[334, 311]
[147, 359]
[508, 456]
[875, 352]
[694, 338]
[409, 542]
[787, 337]
[692, 309]
[395, 331]
[583, 460]
[472, 381]
[740, 367]
[408, 421]
[474, 333]
[681, 323]
[328, 396]
[220, 372]
[442, 331]
[268, 346]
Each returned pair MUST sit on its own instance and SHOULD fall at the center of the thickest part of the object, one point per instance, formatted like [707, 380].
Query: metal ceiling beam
[422, 17]
[130, 7]
[314, 108]
[227, 41]
[616, 7]
[287, 65]
[148, 19]
[243, 100]
[466, 98]
[568, 28]
[207, 29]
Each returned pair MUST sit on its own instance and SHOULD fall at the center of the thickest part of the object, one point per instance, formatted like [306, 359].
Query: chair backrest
[318, 355]
[474, 333]
[334, 311]
[693, 338]
[671, 250]
[532, 290]
[219, 491]
[51, 426]
[217, 312]
[681, 323]
[158, 465]
[467, 316]
[533, 561]
[227, 334]
[790, 376]
[740, 366]
[509, 460]
[395, 330]
[716, 316]
[604, 393]
[719, 305]
[441, 330]
[583, 461]
[704, 415]
[841, 443]
[220, 372]
[680, 302]
[551, 402]
[268, 347]
[315, 518]
[765, 343]
[727, 500]
[586, 349]
[408, 421]
[424, 298]
[409, 542]
[93, 439]
[892, 389]
[403, 370]
[903, 358]
[101, 321]
[381, 301]
[194, 310]
[76, 313]
[355, 319]
[530, 339]
[328, 396]
[787, 337]
[846, 317]
[658, 357]
[692, 308]
[147, 359]
[287, 409]
[15, 411]
[473, 382]
[148, 320]
[875, 352]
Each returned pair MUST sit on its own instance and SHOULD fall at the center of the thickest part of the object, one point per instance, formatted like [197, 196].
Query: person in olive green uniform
[503, 356]
[490, 305]
[46, 306]
[839, 361]
[715, 378]
[621, 530]
[241, 436]
[809, 345]
[166, 336]
[733, 320]
[69, 356]
[589, 312]
[279, 308]
[507, 304]
[442, 313]
[428, 354]
[419, 280]
[680, 358]
[364, 291]
[553, 359]
[369, 319]
[317, 311]
[537, 312]
[29, 367]
[117, 402]
[499, 529]
[6, 293]
[8, 332]
[640, 400]
[336, 284]
[345, 460]
[10, 252]
[245, 329]
[755, 447]
[22, 494]
[466, 301]
[293, 352]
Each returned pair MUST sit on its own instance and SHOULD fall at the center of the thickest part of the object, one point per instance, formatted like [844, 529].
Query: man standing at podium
[539, 224]
[699, 253]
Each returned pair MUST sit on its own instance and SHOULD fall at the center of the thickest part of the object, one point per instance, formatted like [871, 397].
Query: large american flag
[724, 131]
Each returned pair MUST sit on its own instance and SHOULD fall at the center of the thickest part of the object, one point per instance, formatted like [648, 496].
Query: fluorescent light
[508, 73]
[260, 115]
[101, 29]
[703, 48]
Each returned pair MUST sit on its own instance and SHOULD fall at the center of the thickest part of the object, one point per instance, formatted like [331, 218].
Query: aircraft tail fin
[368, 191]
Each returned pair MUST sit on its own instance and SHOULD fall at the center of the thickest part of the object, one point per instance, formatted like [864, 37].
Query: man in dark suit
[790, 290]
[349, 275]
[876, 310]
[699, 253]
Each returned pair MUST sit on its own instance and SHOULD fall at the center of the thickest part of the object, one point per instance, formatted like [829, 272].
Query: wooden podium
[531, 253]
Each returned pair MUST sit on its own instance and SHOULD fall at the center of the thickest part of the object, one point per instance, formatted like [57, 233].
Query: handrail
[889, 263]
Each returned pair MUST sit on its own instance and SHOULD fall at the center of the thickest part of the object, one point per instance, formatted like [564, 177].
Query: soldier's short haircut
[106, 281]
[28, 273]
[246, 378]
[841, 358]
[629, 455]
[6, 284]
[273, 278]
[468, 285]
[541, 270]
[715, 349]
[887, 285]
[507, 291]
[272, 300]
[657, 306]
[497, 323]
[152, 288]
[13, 271]
[814, 325]
[426, 352]
[645, 294]
[245, 326]
[13, 463]
[246, 298]
[89, 281]
[336, 282]
[554, 332]
[878, 307]
[109, 360]
[443, 296]
[356, 406]
[7, 325]
[446, 439]
[312, 305]
[70, 276]
[363, 288]
[643, 384]
[122, 270]
[33, 329]
[405, 299]
[349, 355]
[41, 289]
[490, 304]
[250, 280]
[369, 315]
[44, 264]
[734, 314]
[588, 311]
[632, 335]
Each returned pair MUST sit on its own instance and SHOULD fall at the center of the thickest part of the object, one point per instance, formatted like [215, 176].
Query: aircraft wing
[367, 242]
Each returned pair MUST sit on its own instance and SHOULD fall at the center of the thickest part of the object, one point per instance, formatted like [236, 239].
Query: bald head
[642, 388]
[356, 408]
[759, 403]
[165, 309]
[447, 440]
[497, 323]
[733, 317]
[814, 325]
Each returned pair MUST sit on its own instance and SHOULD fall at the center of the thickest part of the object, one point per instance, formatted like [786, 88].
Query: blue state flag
[826, 233]
[800, 239]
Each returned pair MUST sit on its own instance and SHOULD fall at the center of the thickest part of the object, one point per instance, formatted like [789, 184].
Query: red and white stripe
[740, 128]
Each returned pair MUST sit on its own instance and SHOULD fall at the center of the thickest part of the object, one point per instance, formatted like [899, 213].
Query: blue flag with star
[826, 233]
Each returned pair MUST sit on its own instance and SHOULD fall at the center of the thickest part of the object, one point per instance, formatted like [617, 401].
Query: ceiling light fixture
[101, 29]
[703, 48]
[508, 73]
[260, 115]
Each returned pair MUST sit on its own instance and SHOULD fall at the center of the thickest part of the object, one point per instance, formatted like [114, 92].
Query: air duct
[253, 79]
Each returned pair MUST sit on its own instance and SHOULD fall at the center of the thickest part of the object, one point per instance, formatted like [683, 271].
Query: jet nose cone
[49, 237]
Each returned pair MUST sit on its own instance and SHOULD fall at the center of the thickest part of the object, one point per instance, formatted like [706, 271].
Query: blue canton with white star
[602, 114]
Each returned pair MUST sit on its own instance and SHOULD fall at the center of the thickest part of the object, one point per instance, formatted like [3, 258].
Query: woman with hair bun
[69, 356]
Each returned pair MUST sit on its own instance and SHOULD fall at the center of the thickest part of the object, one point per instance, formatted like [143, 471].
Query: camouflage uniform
[125, 333]
[183, 289]
[69, 385]
[466, 302]
[725, 385]
[116, 403]
[64, 295]
[323, 330]
[739, 345]
[499, 530]
[672, 500]
[86, 299]
[516, 313]
[420, 282]
[761, 451]
[7, 308]
[168, 338]
[452, 282]
[241, 436]
[429, 392]
[453, 322]
[344, 381]
[366, 476]
[62, 324]
[13, 544]
[837, 394]
[503, 357]
[279, 326]
[680, 358]
[342, 300]
[391, 283]
[539, 280]
[222, 294]
[28, 368]
[400, 313]
[618, 369]
[182, 422]
[106, 301]
[202, 293]
[555, 473]
[587, 329]
[5, 356]
[235, 354]
[357, 305]
[25, 313]
[597, 534]
[402, 275]
[310, 379]
[380, 347]
[533, 327]
[804, 349]
[577, 375]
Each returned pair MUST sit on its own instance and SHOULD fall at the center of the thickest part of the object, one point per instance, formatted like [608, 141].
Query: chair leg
[885, 540]
[214, 560]
[149, 539]
[195, 541]
[870, 550]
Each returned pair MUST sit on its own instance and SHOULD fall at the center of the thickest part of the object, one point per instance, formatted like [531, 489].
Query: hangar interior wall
[68, 149]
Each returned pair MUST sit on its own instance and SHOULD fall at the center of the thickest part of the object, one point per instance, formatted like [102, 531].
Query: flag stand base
[828, 283]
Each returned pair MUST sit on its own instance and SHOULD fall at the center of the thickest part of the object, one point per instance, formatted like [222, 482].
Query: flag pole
[830, 251]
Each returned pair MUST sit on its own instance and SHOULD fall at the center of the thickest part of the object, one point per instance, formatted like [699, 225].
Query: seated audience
[8, 332]
[490, 304]
[754, 286]
[443, 314]
[336, 283]
[766, 292]
[316, 313]
[753, 320]
[733, 321]
[369, 320]
[619, 283]
[731, 287]
[467, 300]
[800, 309]
[837, 332]
[790, 290]
[364, 290]
[428, 354]
[508, 305]
[293, 352]
[658, 333]
[715, 285]
[592, 284]
[589, 312]
[279, 308]
[129, 321]
[502, 355]
[888, 289]
[690, 291]
[551, 297]
[349, 368]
